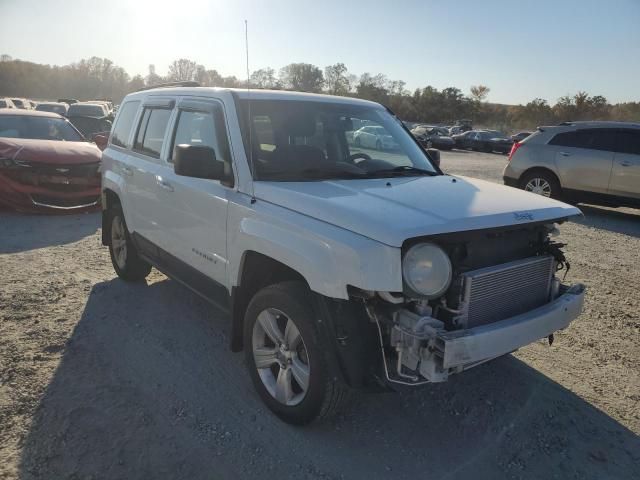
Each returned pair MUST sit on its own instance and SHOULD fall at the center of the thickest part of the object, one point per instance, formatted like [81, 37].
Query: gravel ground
[101, 379]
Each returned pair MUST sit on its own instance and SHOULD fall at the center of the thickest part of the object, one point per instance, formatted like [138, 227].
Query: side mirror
[100, 139]
[197, 161]
[434, 154]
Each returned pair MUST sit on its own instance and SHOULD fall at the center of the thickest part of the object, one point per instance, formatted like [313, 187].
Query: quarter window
[151, 131]
[122, 128]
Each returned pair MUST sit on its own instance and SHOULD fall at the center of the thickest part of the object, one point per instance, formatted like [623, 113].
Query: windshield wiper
[402, 170]
[312, 174]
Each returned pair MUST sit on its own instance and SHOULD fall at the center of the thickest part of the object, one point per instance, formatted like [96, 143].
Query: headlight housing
[426, 270]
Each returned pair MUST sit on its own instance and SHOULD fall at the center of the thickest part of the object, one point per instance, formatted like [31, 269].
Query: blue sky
[520, 49]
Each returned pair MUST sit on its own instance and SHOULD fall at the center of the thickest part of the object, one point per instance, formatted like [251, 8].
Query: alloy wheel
[280, 356]
[539, 186]
[119, 241]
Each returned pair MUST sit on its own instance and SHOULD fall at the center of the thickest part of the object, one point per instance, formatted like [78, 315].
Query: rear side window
[629, 142]
[591, 138]
[151, 130]
[122, 128]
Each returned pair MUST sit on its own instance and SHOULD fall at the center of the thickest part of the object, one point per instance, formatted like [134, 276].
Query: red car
[46, 165]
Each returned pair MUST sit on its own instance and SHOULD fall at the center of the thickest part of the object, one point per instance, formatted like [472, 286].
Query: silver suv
[591, 162]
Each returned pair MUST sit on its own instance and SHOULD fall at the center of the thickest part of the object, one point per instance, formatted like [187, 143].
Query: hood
[413, 207]
[53, 152]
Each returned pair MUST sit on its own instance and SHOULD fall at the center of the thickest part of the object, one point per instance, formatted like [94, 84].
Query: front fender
[328, 257]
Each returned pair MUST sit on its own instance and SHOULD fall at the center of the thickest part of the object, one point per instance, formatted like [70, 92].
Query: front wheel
[285, 355]
[124, 256]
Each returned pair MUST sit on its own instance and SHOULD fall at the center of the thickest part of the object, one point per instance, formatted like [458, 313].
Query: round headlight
[427, 270]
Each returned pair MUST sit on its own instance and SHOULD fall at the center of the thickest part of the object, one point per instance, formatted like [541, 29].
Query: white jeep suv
[344, 267]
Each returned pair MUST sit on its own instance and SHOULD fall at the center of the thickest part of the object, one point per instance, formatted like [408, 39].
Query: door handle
[164, 184]
[625, 163]
[565, 154]
[128, 171]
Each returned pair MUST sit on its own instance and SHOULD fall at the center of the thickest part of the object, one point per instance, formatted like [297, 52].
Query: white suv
[344, 266]
[591, 162]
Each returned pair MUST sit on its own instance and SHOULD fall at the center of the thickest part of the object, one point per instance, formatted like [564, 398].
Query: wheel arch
[342, 324]
[270, 271]
[538, 169]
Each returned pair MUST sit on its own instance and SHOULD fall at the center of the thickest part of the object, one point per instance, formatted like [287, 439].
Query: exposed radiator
[502, 291]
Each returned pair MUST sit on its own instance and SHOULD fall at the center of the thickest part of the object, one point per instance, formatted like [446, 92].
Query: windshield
[87, 110]
[52, 107]
[309, 140]
[38, 128]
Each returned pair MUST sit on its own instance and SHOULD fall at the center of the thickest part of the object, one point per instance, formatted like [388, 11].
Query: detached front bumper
[425, 347]
[466, 348]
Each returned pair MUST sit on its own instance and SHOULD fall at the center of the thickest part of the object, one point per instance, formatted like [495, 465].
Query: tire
[124, 256]
[542, 183]
[294, 382]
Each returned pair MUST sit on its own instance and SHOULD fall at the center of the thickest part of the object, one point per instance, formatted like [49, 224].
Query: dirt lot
[100, 379]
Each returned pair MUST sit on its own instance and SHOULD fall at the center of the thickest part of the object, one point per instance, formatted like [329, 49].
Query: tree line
[100, 78]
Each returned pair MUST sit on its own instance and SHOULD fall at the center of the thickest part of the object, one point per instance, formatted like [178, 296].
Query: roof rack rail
[564, 124]
[170, 84]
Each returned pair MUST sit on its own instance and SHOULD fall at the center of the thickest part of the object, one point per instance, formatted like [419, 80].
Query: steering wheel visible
[352, 158]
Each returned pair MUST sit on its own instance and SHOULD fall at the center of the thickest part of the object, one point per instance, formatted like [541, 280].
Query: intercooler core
[502, 291]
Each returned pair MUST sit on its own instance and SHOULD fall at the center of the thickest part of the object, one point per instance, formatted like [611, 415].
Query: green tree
[264, 78]
[152, 77]
[182, 70]
[337, 79]
[302, 77]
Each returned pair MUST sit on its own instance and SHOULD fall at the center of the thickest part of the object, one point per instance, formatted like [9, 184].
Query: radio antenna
[249, 120]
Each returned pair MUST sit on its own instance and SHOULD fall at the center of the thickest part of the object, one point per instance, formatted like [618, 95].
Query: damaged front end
[503, 293]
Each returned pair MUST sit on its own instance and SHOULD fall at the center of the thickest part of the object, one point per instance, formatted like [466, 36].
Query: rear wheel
[124, 256]
[286, 355]
[541, 183]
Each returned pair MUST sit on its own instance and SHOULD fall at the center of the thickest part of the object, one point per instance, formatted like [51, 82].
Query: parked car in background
[46, 165]
[68, 101]
[22, 103]
[374, 137]
[463, 125]
[6, 103]
[55, 107]
[342, 268]
[484, 141]
[591, 162]
[433, 137]
[87, 109]
[518, 137]
[89, 126]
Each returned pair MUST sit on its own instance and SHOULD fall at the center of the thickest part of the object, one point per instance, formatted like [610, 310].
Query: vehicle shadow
[20, 233]
[147, 388]
[623, 220]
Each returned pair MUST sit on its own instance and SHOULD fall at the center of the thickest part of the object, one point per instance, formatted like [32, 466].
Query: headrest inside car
[300, 125]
